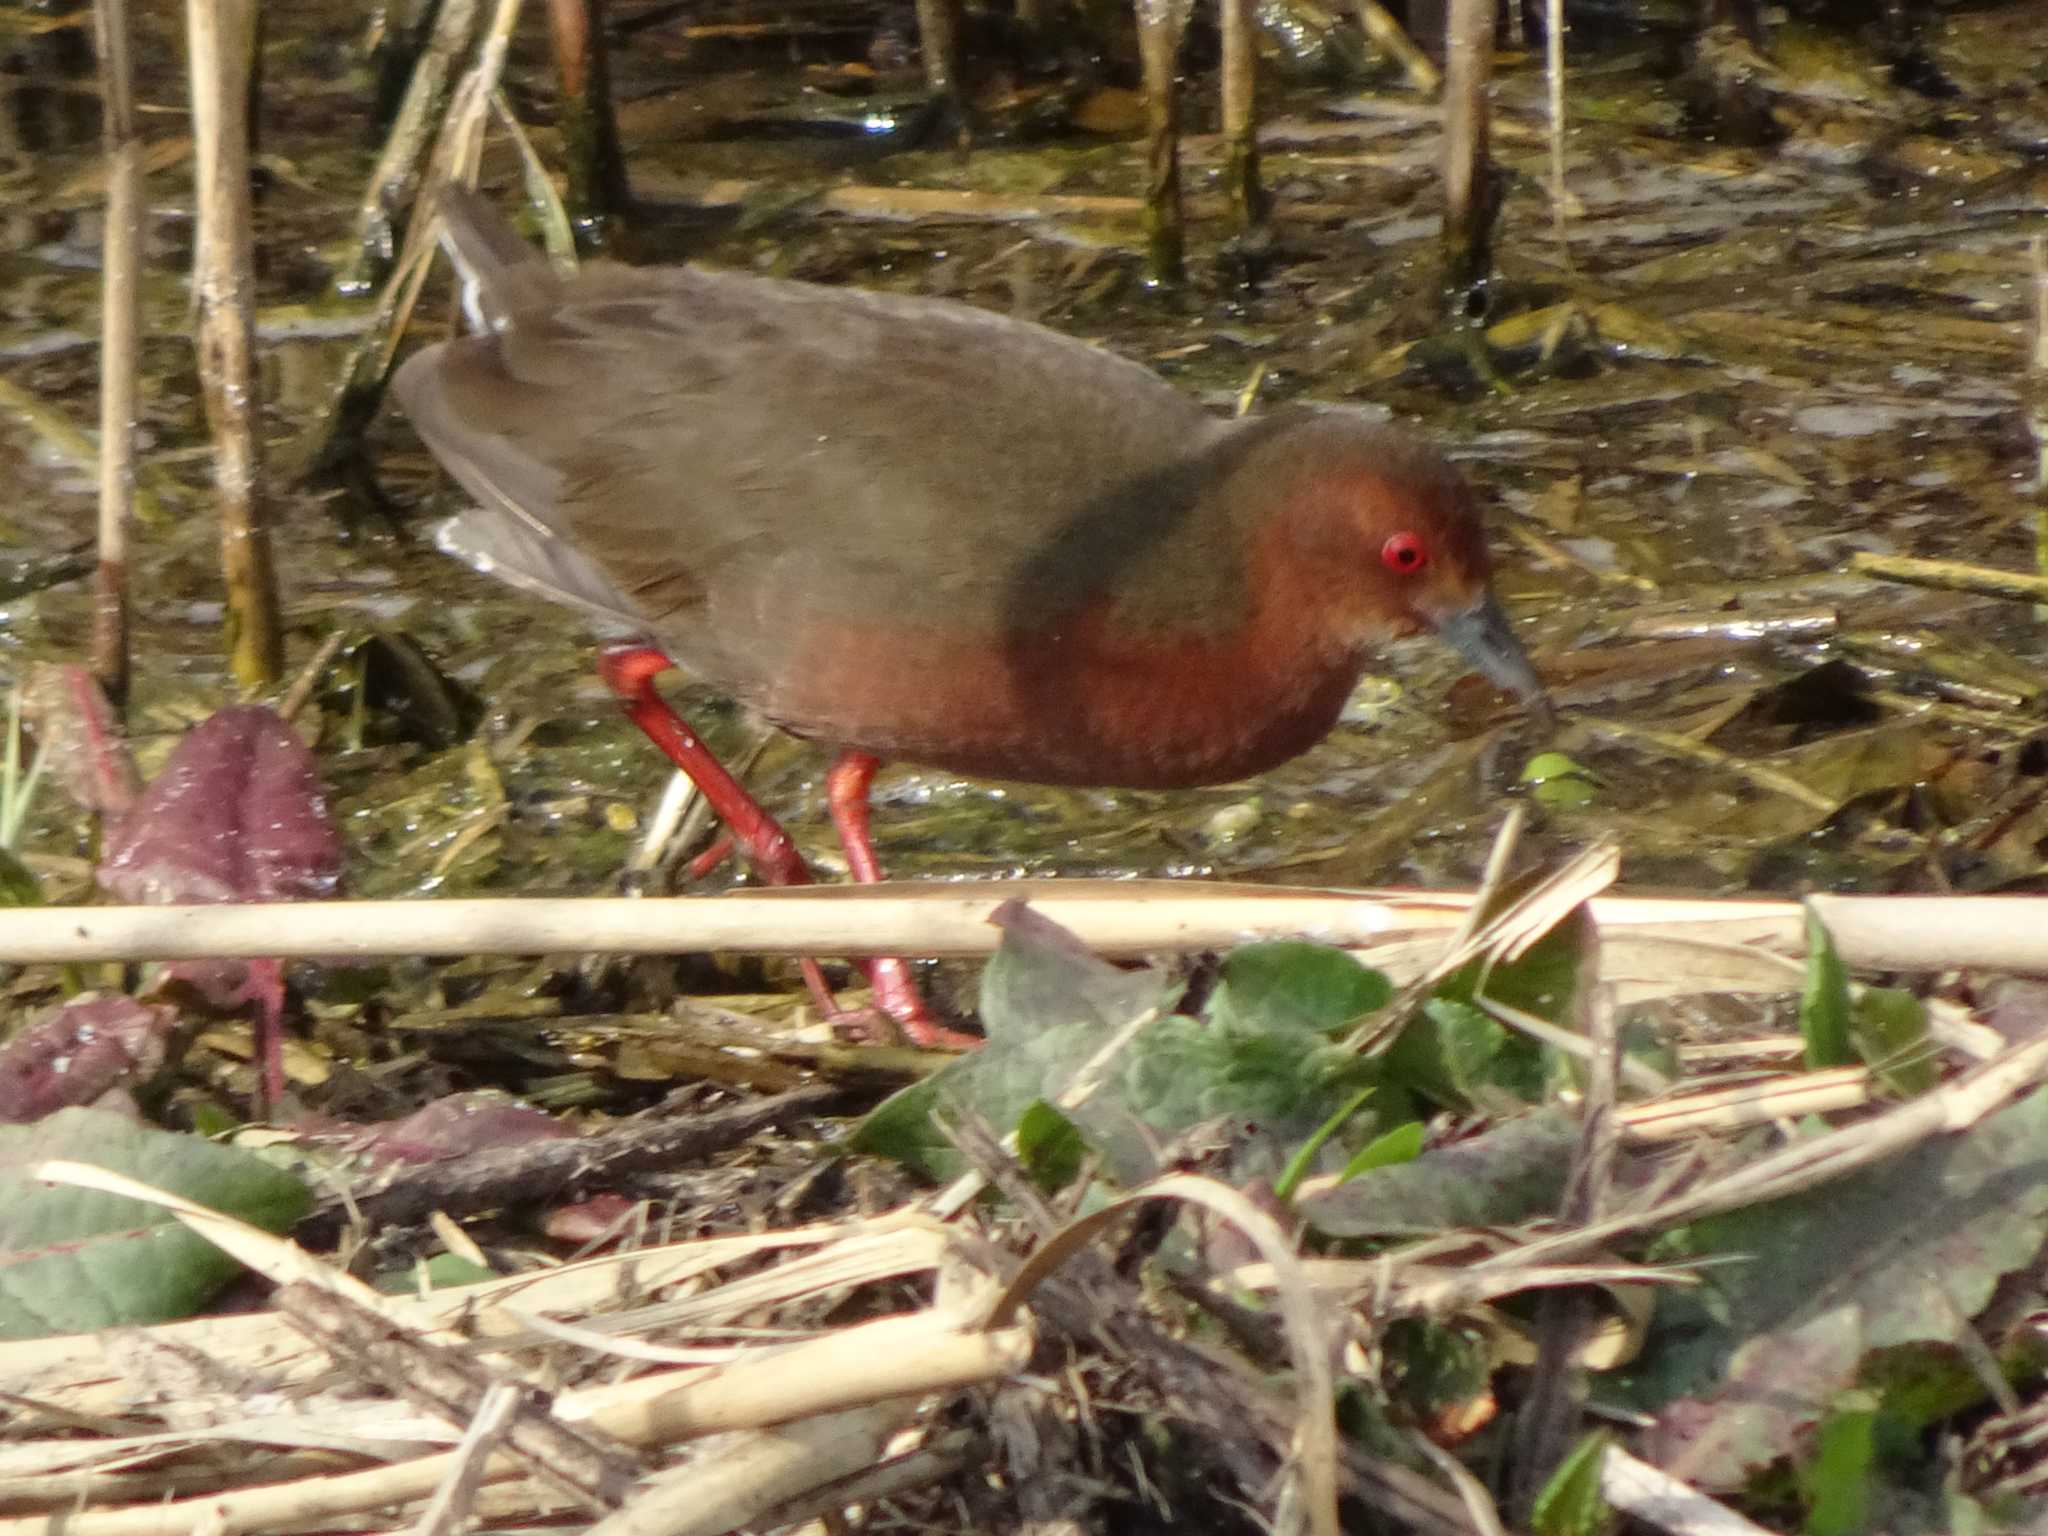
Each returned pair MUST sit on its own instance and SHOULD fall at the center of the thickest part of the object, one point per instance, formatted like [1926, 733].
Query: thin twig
[1952, 576]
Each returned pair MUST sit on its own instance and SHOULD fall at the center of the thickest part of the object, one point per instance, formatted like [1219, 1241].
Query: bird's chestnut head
[1384, 538]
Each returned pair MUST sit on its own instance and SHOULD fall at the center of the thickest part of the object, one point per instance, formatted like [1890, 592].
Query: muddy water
[1728, 367]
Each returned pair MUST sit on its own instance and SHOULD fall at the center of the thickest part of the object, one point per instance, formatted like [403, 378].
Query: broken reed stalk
[2035, 392]
[1951, 576]
[1247, 194]
[1160, 25]
[588, 125]
[222, 35]
[333, 440]
[1388, 33]
[1468, 165]
[1553, 68]
[939, 25]
[396, 181]
[120, 332]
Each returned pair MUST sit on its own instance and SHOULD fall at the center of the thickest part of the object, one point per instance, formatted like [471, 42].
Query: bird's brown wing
[733, 459]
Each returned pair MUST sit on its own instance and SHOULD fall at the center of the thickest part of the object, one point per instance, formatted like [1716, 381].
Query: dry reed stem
[1655, 1497]
[1113, 917]
[1561, 202]
[1239, 70]
[1952, 576]
[222, 35]
[1388, 33]
[893, 1358]
[395, 183]
[1467, 162]
[120, 343]
[1954, 1106]
[765, 1469]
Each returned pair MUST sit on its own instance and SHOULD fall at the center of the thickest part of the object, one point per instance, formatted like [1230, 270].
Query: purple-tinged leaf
[602, 1218]
[76, 1053]
[458, 1124]
[238, 814]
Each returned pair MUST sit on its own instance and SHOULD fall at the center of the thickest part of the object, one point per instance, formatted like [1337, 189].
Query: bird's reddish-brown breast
[1113, 666]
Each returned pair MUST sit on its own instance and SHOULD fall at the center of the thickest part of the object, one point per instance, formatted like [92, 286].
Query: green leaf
[18, 884]
[1544, 981]
[1512, 1173]
[1796, 1297]
[1298, 1166]
[1824, 1002]
[1571, 1503]
[444, 1271]
[1888, 1027]
[1558, 783]
[1922, 1384]
[1432, 1369]
[1460, 1056]
[1050, 1147]
[72, 1260]
[1261, 1061]
[1048, 1006]
[1042, 978]
[1403, 1144]
[1838, 1480]
[1288, 984]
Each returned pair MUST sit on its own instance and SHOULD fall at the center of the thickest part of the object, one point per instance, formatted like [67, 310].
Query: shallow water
[1741, 365]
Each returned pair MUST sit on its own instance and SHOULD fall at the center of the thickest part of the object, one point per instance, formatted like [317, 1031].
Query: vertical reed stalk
[1468, 169]
[589, 126]
[2035, 392]
[1160, 25]
[120, 329]
[1248, 201]
[221, 36]
[1553, 69]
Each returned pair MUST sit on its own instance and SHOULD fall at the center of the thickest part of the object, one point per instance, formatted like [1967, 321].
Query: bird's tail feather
[501, 274]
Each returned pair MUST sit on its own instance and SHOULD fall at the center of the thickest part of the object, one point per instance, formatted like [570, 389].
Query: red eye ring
[1404, 553]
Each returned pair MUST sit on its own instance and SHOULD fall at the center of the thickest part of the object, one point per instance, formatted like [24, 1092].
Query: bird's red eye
[1404, 554]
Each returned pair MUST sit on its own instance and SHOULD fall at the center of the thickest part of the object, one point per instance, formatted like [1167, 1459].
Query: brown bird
[905, 528]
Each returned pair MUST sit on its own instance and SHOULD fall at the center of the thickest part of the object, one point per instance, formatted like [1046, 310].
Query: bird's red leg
[847, 783]
[265, 988]
[705, 862]
[846, 793]
[629, 671]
